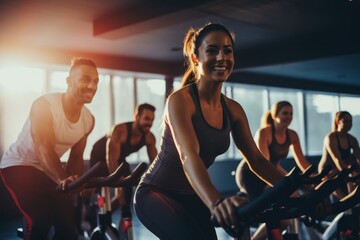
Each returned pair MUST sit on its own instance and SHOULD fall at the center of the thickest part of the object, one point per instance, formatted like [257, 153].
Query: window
[118, 92]
[152, 91]
[57, 81]
[19, 87]
[124, 105]
[254, 102]
[320, 109]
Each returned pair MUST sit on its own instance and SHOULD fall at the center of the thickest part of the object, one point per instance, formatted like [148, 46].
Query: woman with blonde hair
[274, 139]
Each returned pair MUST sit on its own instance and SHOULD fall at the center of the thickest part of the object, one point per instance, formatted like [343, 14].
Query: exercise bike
[89, 180]
[106, 229]
[345, 225]
[275, 205]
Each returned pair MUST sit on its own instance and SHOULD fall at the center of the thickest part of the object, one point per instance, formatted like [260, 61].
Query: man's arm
[113, 146]
[44, 139]
[151, 146]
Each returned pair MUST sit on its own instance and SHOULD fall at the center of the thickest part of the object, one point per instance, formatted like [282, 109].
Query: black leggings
[173, 216]
[35, 196]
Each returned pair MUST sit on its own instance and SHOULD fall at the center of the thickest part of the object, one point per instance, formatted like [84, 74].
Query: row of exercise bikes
[274, 205]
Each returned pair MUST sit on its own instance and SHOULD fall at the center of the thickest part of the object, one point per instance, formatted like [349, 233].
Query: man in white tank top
[31, 168]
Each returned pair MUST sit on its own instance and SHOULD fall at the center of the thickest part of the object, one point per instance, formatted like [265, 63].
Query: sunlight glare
[156, 86]
[19, 79]
[58, 80]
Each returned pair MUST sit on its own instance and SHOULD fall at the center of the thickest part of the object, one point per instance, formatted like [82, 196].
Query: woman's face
[345, 124]
[285, 116]
[216, 56]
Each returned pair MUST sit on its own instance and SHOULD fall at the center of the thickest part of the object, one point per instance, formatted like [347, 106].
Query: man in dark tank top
[122, 140]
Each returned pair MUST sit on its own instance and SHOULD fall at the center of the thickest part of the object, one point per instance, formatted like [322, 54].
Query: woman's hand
[225, 210]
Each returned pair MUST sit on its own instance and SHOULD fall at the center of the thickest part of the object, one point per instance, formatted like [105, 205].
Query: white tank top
[22, 152]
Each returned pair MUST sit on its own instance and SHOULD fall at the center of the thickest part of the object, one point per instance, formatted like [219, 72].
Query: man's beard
[142, 128]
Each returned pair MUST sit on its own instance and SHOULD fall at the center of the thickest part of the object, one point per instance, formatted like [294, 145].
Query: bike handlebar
[89, 179]
[318, 178]
[126, 181]
[255, 211]
[283, 188]
[99, 166]
[347, 202]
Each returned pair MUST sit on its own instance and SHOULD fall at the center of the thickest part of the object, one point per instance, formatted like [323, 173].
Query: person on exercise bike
[341, 149]
[176, 198]
[31, 168]
[124, 139]
[274, 140]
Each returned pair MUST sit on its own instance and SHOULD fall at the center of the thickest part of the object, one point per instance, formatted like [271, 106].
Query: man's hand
[66, 181]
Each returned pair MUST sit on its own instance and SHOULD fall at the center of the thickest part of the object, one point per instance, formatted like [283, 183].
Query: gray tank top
[166, 171]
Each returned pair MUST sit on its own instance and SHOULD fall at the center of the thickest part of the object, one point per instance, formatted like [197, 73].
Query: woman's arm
[246, 144]
[356, 149]
[331, 145]
[116, 137]
[179, 119]
[263, 140]
[299, 157]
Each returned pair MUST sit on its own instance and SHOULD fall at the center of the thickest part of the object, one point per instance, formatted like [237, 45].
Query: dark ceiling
[308, 44]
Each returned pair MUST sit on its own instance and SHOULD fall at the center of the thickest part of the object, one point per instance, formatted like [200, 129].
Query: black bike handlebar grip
[103, 181]
[318, 177]
[326, 188]
[322, 192]
[83, 178]
[347, 202]
[139, 170]
[310, 170]
[120, 171]
[246, 212]
[131, 179]
[283, 188]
